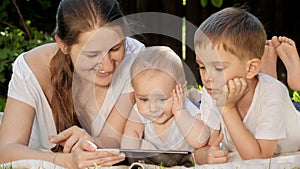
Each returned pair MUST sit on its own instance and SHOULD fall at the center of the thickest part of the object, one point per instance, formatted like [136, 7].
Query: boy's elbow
[256, 156]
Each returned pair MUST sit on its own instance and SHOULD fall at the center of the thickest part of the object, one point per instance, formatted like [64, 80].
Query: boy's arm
[247, 145]
[132, 133]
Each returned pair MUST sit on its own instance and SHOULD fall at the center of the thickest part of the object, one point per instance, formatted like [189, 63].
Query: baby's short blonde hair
[160, 58]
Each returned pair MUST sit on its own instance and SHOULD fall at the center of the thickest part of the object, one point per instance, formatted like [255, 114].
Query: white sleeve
[18, 87]
[271, 123]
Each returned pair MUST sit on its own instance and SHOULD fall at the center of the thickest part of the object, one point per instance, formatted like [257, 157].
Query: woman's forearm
[12, 152]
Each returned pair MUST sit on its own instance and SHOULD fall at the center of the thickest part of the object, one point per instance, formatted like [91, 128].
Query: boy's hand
[178, 99]
[215, 154]
[232, 93]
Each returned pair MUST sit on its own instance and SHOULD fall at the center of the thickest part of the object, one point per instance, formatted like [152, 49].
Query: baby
[162, 117]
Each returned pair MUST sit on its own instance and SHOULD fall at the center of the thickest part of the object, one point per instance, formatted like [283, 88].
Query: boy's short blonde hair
[235, 30]
[159, 58]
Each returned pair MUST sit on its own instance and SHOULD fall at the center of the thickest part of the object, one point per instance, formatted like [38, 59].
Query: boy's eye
[163, 100]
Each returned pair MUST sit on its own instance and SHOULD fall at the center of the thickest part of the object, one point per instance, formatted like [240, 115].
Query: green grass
[5, 166]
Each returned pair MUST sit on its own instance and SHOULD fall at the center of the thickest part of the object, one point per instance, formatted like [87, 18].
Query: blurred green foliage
[296, 96]
[20, 32]
[13, 42]
[215, 3]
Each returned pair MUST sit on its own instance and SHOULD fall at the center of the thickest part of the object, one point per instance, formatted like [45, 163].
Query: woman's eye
[143, 100]
[201, 67]
[92, 54]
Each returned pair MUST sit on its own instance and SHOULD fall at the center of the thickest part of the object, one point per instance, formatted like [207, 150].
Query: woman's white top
[25, 87]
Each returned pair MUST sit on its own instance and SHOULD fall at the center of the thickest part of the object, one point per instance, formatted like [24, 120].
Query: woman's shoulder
[38, 60]
[42, 53]
[39, 57]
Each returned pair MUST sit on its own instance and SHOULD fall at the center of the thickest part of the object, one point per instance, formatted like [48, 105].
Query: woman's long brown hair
[74, 17]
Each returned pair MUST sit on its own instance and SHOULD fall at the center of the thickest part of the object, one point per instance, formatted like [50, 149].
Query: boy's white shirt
[271, 116]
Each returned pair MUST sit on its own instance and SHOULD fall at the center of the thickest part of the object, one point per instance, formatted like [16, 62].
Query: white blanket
[287, 161]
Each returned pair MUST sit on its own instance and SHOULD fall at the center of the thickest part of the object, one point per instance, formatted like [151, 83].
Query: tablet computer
[165, 158]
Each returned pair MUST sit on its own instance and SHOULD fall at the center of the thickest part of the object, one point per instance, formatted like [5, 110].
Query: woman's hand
[101, 158]
[72, 138]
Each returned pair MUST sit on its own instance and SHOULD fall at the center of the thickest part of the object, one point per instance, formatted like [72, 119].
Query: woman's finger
[102, 162]
[63, 136]
[70, 143]
[101, 157]
[109, 161]
[85, 145]
[107, 152]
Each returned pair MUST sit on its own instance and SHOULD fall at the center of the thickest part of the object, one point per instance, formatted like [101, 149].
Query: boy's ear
[253, 68]
[63, 47]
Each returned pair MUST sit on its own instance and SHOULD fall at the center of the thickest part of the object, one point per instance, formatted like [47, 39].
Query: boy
[253, 111]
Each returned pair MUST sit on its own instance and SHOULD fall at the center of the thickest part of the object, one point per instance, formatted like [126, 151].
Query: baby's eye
[163, 100]
[219, 69]
[92, 55]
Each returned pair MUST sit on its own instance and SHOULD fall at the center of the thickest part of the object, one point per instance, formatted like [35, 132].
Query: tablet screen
[165, 158]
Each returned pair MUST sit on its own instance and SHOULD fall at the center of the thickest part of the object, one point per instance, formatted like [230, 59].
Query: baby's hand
[232, 93]
[178, 99]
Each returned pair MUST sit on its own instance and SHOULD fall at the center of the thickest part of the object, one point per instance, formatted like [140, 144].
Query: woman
[77, 81]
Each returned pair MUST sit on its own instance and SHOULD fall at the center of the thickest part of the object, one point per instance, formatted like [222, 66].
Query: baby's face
[153, 94]
[217, 67]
